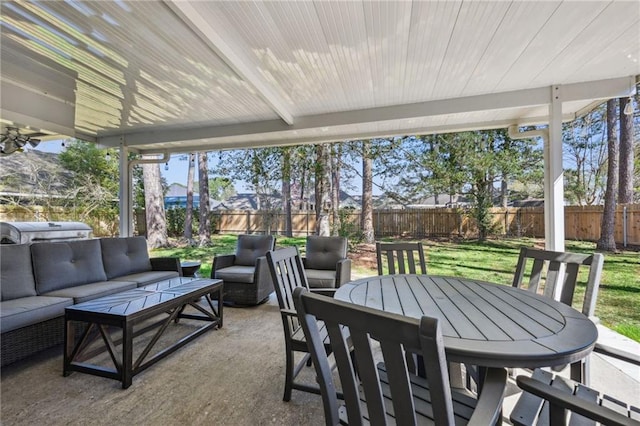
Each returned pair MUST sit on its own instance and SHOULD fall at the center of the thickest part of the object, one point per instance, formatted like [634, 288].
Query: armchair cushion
[325, 252]
[320, 278]
[236, 273]
[251, 247]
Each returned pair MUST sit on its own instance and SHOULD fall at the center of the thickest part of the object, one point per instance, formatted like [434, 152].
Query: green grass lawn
[618, 304]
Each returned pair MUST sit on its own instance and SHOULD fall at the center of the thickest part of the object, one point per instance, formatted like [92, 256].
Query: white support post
[126, 220]
[553, 176]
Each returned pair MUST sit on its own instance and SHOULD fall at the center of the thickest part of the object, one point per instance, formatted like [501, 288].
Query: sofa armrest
[222, 261]
[166, 264]
[343, 272]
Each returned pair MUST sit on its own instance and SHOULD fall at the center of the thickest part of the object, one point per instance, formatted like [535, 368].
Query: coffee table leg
[220, 306]
[127, 355]
[68, 346]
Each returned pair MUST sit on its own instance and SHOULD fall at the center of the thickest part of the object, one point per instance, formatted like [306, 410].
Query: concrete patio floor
[232, 376]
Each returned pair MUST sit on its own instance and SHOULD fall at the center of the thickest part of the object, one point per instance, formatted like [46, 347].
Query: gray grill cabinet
[31, 232]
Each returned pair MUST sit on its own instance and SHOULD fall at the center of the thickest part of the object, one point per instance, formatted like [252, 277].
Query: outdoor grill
[32, 232]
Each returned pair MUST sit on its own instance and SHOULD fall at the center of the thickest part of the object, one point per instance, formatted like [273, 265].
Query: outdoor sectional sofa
[37, 282]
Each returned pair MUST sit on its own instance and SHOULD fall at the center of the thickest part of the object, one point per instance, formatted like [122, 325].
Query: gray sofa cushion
[66, 264]
[325, 252]
[236, 274]
[83, 293]
[144, 278]
[124, 256]
[18, 313]
[15, 272]
[320, 278]
[251, 247]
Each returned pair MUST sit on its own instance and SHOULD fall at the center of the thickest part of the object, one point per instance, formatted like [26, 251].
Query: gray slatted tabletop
[482, 323]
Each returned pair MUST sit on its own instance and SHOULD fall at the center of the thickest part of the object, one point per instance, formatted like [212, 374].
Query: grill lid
[26, 232]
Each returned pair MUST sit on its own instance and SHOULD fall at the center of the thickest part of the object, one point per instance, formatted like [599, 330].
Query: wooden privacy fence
[581, 222]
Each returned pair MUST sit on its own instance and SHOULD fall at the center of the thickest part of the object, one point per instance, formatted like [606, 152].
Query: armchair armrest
[166, 264]
[559, 399]
[222, 261]
[262, 272]
[343, 272]
[616, 353]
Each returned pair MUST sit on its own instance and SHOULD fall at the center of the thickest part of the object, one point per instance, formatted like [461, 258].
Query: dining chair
[400, 258]
[555, 275]
[288, 273]
[408, 258]
[376, 385]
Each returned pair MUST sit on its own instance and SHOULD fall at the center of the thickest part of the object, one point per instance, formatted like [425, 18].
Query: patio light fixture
[628, 108]
[13, 141]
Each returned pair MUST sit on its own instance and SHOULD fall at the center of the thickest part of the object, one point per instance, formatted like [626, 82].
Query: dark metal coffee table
[131, 312]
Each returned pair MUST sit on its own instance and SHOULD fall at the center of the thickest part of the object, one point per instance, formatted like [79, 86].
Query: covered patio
[163, 77]
[173, 76]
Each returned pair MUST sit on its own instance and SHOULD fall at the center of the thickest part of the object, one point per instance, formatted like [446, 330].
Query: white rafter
[232, 57]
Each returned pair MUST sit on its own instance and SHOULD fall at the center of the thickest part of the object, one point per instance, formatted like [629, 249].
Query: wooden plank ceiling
[179, 76]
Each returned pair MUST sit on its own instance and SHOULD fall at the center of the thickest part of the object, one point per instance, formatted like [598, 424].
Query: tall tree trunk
[625, 189]
[336, 160]
[286, 191]
[322, 190]
[367, 194]
[607, 241]
[154, 206]
[188, 216]
[504, 193]
[205, 219]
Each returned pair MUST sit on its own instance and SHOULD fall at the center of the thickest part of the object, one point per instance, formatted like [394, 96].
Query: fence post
[624, 226]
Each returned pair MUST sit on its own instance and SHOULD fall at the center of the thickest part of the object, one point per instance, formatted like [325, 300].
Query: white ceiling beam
[513, 99]
[231, 55]
[519, 98]
[218, 145]
[602, 89]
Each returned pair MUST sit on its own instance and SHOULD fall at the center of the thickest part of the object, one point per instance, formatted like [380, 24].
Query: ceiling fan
[13, 141]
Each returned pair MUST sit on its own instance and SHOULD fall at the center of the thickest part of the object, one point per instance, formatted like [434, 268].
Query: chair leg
[288, 383]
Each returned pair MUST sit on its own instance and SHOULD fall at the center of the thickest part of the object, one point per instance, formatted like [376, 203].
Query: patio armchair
[401, 258]
[385, 392]
[325, 262]
[569, 402]
[246, 277]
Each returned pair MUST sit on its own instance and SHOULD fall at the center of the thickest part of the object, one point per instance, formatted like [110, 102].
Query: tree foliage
[585, 156]
[95, 183]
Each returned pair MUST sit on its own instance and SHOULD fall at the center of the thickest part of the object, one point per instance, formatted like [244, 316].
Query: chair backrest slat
[560, 271]
[401, 258]
[288, 274]
[358, 325]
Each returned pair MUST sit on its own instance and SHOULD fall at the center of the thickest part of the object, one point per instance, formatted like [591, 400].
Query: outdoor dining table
[483, 324]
